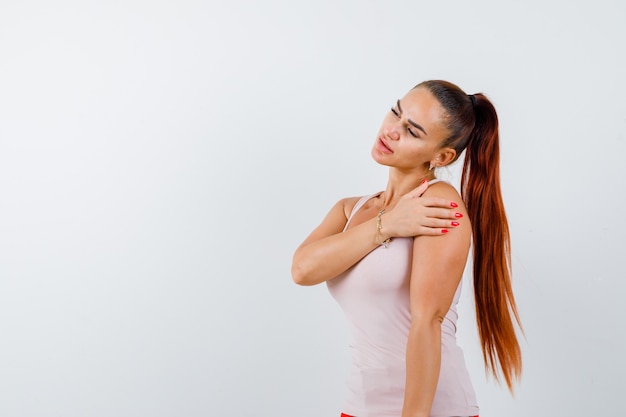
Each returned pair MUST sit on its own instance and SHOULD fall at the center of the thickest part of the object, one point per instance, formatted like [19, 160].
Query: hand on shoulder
[431, 212]
[457, 215]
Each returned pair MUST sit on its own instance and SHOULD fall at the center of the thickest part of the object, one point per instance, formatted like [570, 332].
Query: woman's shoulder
[443, 189]
[440, 189]
[349, 203]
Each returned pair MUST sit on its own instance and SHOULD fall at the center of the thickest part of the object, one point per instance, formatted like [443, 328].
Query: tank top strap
[358, 205]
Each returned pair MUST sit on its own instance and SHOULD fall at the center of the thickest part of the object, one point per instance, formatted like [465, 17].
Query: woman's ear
[443, 157]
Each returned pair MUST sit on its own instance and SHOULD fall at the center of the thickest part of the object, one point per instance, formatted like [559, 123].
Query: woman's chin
[378, 156]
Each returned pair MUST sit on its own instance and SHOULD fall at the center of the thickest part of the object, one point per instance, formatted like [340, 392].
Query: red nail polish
[455, 223]
[458, 215]
[444, 230]
[453, 204]
[424, 182]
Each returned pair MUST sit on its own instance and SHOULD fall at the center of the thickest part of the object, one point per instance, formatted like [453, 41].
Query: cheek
[417, 151]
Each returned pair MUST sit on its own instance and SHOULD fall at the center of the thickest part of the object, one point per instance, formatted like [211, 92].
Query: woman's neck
[399, 184]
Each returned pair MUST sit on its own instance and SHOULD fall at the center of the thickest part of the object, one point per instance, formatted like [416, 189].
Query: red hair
[473, 125]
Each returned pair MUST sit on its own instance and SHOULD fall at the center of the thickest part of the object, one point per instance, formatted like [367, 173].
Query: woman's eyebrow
[411, 122]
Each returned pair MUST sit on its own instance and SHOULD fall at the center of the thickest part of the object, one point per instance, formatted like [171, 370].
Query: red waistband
[346, 415]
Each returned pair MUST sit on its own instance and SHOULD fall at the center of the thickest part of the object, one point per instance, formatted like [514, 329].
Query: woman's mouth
[382, 146]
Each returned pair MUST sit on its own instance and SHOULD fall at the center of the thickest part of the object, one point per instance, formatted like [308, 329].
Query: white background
[161, 160]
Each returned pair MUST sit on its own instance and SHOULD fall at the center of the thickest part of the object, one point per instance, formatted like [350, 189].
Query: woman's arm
[437, 268]
[327, 252]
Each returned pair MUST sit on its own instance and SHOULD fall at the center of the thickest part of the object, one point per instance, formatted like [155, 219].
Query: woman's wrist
[382, 238]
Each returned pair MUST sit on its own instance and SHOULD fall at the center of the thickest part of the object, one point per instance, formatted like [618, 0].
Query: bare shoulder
[335, 220]
[338, 215]
[441, 189]
[347, 204]
[445, 190]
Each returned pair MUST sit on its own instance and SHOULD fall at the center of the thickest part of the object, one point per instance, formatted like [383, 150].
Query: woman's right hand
[329, 250]
[415, 215]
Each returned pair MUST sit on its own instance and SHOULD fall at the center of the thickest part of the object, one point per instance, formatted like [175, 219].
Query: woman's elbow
[299, 274]
[296, 274]
[429, 317]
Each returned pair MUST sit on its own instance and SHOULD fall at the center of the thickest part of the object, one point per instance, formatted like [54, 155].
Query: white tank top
[374, 295]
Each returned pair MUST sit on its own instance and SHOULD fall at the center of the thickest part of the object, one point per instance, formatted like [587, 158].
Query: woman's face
[411, 133]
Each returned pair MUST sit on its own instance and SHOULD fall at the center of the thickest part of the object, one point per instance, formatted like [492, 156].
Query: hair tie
[473, 100]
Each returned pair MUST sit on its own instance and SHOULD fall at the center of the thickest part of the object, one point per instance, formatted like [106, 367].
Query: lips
[382, 146]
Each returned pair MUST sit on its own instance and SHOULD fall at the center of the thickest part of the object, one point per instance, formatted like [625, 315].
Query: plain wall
[161, 161]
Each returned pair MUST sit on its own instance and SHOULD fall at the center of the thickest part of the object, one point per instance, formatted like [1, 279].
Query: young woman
[394, 260]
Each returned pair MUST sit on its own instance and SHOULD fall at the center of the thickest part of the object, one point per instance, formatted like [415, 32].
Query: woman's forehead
[420, 105]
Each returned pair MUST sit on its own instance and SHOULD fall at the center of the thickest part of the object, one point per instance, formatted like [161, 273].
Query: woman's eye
[394, 111]
[412, 133]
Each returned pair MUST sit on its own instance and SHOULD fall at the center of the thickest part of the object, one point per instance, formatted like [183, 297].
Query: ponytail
[472, 124]
[493, 292]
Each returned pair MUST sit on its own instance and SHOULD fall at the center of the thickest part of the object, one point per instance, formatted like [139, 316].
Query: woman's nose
[392, 133]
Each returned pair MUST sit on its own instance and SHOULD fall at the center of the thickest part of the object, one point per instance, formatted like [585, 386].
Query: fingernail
[424, 182]
[444, 230]
[458, 215]
[453, 204]
[455, 223]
